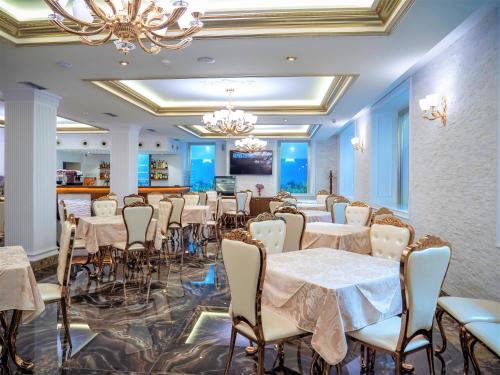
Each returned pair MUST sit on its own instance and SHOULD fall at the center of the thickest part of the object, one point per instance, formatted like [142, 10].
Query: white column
[30, 170]
[124, 152]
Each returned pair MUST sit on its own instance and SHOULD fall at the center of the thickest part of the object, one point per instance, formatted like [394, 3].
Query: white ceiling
[378, 60]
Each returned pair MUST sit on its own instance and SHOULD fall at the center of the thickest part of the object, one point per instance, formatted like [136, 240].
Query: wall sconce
[431, 109]
[356, 144]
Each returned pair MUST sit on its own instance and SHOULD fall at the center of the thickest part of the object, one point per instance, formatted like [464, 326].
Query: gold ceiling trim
[337, 88]
[379, 20]
[312, 129]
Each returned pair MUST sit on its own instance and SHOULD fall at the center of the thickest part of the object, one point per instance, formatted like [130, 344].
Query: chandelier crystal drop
[250, 144]
[230, 121]
[145, 22]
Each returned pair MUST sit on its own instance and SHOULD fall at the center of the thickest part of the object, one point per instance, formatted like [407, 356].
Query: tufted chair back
[104, 207]
[154, 198]
[132, 198]
[137, 217]
[389, 237]
[66, 242]
[164, 212]
[211, 195]
[290, 200]
[425, 265]
[247, 203]
[191, 199]
[295, 227]
[177, 209]
[321, 196]
[270, 230]
[241, 201]
[273, 205]
[245, 263]
[358, 214]
[203, 198]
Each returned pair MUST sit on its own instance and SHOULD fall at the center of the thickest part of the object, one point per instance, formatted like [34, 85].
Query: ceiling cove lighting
[130, 21]
[250, 144]
[432, 109]
[229, 121]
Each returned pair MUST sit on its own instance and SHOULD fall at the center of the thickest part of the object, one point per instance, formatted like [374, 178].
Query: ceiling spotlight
[285, 120]
[206, 60]
[63, 65]
[165, 62]
[123, 63]
[291, 58]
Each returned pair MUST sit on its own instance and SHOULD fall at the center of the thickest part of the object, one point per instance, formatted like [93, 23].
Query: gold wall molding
[379, 20]
[339, 86]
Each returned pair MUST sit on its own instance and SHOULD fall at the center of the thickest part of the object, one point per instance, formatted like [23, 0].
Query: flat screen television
[256, 163]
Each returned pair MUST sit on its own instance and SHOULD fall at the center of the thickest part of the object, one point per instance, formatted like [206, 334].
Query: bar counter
[99, 191]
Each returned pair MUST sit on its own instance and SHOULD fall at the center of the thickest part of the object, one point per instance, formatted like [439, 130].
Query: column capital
[28, 94]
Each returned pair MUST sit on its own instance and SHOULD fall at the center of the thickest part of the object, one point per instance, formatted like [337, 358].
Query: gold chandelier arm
[182, 44]
[133, 9]
[151, 50]
[63, 27]
[54, 5]
[192, 30]
[111, 5]
[99, 42]
[171, 20]
[97, 10]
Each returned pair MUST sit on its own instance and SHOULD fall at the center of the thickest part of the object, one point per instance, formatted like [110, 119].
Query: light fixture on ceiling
[432, 109]
[205, 60]
[165, 62]
[130, 21]
[357, 144]
[229, 121]
[250, 144]
[123, 63]
[291, 58]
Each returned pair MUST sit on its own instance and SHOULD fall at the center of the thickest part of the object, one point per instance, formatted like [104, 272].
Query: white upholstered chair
[164, 211]
[336, 205]
[60, 292]
[175, 224]
[423, 269]
[239, 216]
[211, 195]
[295, 227]
[321, 196]
[245, 263]
[191, 199]
[214, 227]
[275, 204]
[132, 198]
[487, 333]
[381, 213]
[104, 206]
[464, 311]
[137, 217]
[270, 230]
[80, 255]
[358, 214]
[154, 198]
[389, 237]
[247, 202]
[291, 200]
[203, 198]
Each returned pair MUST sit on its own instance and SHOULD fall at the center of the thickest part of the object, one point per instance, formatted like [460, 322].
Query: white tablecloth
[314, 206]
[191, 214]
[337, 236]
[105, 231]
[315, 216]
[330, 292]
[18, 287]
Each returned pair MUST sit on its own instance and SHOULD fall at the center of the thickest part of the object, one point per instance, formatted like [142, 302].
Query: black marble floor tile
[180, 327]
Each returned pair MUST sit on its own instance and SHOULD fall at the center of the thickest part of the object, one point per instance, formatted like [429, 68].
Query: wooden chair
[132, 198]
[239, 216]
[358, 214]
[104, 206]
[270, 230]
[295, 227]
[381, 213]
[154, 198]
[389, 237]
[336, 205]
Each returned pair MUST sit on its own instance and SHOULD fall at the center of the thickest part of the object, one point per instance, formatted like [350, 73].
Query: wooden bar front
[99, 191]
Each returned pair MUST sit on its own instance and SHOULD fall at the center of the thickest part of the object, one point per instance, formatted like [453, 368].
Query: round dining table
[315, 216]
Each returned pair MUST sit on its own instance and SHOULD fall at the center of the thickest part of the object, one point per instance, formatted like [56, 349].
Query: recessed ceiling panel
[264, 131]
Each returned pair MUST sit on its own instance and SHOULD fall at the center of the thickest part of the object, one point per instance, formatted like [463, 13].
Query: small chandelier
[130, 21]
[228, 121]
[250, 144]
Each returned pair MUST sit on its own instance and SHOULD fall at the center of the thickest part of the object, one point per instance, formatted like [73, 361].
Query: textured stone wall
[326, 159]
[362, 159]
[453, 184]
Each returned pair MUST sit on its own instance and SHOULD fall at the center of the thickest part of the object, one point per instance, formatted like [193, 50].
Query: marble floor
[183, 328]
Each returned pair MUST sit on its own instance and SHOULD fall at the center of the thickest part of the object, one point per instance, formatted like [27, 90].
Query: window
[346, 173]
[294, 158]
[143, 170]
[201, 166]
[390, 151]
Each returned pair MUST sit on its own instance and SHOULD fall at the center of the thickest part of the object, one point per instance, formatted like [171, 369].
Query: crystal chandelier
[145, 22]
[229, 121]
[250, 144]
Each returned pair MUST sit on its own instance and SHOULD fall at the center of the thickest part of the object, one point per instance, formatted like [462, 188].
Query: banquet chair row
[245, 262]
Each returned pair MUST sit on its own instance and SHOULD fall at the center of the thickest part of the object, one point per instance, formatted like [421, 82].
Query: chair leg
[362, 359]
[439, 320]
[181, 233]
[475, 365]
[465, 350]
[430, 359]
[399, 363]
[231, 350]
[64, 310]
[338, 367]
[281, 355]
[260, 361]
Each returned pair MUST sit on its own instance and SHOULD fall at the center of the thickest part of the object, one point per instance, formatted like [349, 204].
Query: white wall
[325, 157]
[2, 151]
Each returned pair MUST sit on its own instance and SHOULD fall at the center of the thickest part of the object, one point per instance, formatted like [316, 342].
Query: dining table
[192, 214]
[311, 206]
[330, 292]
[315, 216]
[337, 236]
[19, 294]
